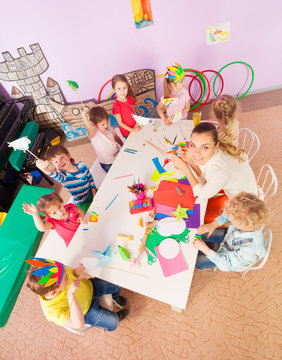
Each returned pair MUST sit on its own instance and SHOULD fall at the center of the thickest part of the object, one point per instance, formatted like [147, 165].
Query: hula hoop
[189, 88]
[220, 92]
[111, 95]
[235, 62]
[201, 75]
[99, 96]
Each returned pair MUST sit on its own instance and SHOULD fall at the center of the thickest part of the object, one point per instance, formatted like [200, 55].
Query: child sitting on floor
[65, 219]
[75, 177]
[69, 297]
[103, 137]
[242, 244]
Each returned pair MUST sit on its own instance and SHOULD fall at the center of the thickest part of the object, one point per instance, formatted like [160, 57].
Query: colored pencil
[130, 152]
[111, 202]
[157, 148]
[120, 177]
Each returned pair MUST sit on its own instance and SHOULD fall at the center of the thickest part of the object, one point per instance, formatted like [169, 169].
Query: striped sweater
[78, 183]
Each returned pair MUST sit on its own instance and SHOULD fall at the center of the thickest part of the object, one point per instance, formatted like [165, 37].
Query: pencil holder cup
[141, 195]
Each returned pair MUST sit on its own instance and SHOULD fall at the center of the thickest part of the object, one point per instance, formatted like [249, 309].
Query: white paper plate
[169, 248]
[170, 226]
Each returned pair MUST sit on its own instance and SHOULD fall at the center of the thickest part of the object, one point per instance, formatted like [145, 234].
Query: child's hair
[32, 283]
[248, 209]
[123, 78]
[44, 203]
[97, 114]
[224, 109]
[225, 146]
[167, 82]
[57, 150]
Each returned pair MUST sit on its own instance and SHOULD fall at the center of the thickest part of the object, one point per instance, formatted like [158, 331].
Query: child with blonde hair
[103, 137]
[242, 244]
[176, 95]
[123, 105]
[225, 109]
[73, 299]
[65, 219]
[74, 176]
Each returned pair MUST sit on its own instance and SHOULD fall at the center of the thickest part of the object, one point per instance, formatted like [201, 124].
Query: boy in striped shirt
[75, 177]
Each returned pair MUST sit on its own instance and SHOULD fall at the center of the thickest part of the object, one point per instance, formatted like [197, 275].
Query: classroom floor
[227, 316]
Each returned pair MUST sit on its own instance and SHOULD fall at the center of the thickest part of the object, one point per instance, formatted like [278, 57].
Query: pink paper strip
[171, 266]
[164, 209]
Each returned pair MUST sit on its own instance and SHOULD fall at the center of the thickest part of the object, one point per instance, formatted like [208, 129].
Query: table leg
[175, 308]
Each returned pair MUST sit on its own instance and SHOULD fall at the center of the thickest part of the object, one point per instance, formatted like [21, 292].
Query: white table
[148, 279]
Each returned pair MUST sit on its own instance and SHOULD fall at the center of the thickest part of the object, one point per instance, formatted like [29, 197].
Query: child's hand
[85, 114]
[74, 286]
[81, 220]
[42, 164]
[30, 209]
[79, 272]
[178, 163]
[207, 228]
[200, 245]
[136, 128]
[167, 121]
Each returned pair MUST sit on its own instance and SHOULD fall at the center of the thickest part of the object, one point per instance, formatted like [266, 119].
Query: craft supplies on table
[138, 206]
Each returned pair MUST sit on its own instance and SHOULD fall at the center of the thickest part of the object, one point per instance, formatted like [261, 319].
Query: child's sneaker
[121, 301]
[122, 314]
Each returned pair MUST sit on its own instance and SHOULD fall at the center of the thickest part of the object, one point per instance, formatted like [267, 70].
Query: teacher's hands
[178, 163]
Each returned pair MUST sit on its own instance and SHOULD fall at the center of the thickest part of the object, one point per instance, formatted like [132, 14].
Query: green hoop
[204, 86]
[235, 62]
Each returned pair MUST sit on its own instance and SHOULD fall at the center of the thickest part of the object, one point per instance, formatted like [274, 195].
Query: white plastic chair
[267, 182]
[107, 302]
[98, 173]
[267, 242]
[249, 141]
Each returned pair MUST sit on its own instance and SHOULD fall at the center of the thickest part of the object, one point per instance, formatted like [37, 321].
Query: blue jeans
[216, 237]
[106, 167]
[98, 315]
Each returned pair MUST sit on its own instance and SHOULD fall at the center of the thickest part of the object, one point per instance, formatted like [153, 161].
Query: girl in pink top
[103, 137]
[175, 101]
[65, 219]
[123, 106]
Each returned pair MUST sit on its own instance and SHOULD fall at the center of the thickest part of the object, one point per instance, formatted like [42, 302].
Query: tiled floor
[227, 317]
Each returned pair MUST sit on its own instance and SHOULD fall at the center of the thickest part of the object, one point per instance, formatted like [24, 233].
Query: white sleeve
[216, 179]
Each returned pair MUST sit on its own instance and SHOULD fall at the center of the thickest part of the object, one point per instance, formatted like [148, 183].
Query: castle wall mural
[51, 110]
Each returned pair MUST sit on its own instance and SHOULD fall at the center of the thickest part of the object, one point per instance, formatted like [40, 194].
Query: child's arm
[207, 228]
[124, 126]
[187, 107]
[43, 165]
[40, 225]
[76, 318]
[160, 110]
[80, 218]
[118, 140]
[88, 124]
[79, 272]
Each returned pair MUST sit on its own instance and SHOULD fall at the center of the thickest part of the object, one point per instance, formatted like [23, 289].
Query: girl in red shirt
[123, 106]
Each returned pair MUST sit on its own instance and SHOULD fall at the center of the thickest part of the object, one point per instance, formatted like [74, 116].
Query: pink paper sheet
[163, 209]
[171, 266]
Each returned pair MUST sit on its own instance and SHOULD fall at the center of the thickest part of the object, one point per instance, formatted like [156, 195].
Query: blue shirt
[78, 183]
[238, 249]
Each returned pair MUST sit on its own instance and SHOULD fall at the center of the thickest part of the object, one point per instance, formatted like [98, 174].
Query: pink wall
[89, 41]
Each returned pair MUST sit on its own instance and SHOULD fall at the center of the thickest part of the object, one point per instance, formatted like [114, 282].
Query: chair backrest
[267, 182]
[249, 141]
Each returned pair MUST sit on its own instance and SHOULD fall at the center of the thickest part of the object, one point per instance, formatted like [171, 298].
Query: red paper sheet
[168, 195]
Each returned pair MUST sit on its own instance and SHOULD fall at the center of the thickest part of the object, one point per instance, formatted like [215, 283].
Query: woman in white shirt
[218, 165]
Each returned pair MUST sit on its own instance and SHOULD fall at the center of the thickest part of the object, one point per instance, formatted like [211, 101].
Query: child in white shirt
[103, 137]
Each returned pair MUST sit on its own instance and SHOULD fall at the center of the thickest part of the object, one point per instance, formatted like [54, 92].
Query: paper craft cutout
[168, 101]
[20, 144]
[167, 195]
[73, 85]
[52, 271]
[169, 248]
[180, 213]
[125, 254]
[218, 33]
[156, 176]
[169, 226]
[194, 219]
[175, 72]
[158, 165]
[89, 263]
[184, 181]
[175, 117]
[104, 256]
[171, 266]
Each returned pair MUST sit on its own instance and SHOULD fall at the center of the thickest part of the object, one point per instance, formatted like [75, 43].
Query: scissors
[151, 258]
[166, 161]
[185, 240]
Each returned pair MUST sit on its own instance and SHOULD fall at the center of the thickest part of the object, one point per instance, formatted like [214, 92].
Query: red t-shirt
[125, 109]
[66, 228]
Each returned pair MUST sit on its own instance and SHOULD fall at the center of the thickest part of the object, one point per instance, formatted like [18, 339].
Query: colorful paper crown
[175, 73]
[52, 271]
